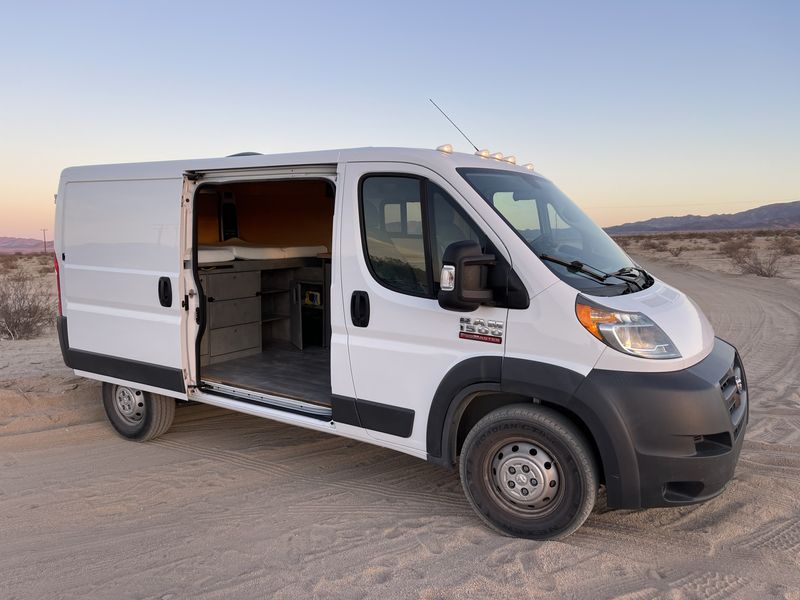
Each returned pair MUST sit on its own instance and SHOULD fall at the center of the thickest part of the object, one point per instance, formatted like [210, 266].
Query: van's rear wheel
[529, 472]
[135, 414]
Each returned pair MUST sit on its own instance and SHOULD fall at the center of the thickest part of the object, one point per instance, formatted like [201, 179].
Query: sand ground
[230, 506]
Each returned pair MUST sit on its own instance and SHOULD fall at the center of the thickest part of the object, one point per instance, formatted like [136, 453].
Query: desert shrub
[734, 247]
[655, 244]
[676, 250]
[25, 307]
[45, 269]
[751, 263]
[786, 245]
[623, 242]
[8, 262]
[718, 237]
[45, 259]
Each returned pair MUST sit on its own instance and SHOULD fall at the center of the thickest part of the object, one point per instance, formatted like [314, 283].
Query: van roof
[438, 161]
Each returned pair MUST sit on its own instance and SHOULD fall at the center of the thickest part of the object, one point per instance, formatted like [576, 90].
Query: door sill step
[279, 402]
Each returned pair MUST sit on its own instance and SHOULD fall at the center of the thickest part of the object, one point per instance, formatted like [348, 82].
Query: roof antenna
[454, 125]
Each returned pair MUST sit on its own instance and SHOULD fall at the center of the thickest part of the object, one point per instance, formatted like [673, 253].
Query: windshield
[568, 242]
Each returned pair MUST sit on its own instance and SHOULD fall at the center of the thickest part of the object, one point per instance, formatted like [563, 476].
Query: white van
[457, 308]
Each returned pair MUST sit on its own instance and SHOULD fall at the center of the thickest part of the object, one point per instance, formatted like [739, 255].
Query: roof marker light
[528, 166]
[511, 159]
[446, 148]
[497, 156]
[483, 153]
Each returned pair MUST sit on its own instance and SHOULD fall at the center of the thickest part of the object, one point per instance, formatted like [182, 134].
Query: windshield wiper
[577, 266]
[635, 271]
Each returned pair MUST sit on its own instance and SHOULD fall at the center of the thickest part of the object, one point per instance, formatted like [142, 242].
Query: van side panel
[118, 238]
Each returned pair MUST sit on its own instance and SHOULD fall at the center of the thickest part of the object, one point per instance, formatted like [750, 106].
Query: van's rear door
[118, 248]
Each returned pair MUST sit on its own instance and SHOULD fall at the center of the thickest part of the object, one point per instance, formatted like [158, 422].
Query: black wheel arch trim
[553, 385]
[473, 372]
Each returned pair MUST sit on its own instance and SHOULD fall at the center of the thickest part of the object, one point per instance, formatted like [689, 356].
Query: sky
[634, 109]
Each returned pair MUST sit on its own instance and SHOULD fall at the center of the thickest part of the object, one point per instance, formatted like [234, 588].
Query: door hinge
[192, 175]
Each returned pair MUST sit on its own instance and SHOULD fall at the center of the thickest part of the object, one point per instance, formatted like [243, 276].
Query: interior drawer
[227, 286]
[232, 339]
[225, 313]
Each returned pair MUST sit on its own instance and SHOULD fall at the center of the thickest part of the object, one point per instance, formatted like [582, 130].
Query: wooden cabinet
[233, 314]
[254, 304]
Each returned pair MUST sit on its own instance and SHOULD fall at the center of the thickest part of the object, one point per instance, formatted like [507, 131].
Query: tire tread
[557, 423]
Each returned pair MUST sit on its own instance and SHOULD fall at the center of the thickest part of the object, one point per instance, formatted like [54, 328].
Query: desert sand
[230, 506]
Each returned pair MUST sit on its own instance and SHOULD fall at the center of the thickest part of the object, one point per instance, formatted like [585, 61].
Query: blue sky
[635, 109]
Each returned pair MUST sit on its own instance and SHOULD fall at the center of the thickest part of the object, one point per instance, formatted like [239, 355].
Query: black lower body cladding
[168, 378]
[662, 438]
[675, 437]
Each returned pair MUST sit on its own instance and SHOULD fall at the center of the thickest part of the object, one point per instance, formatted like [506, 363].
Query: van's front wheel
[528, 472]
[136, 414]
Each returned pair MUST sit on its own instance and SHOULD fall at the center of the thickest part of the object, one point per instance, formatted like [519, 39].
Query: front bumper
[677, 435]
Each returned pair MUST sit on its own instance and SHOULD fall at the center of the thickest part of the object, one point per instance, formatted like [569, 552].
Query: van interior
[263, 263]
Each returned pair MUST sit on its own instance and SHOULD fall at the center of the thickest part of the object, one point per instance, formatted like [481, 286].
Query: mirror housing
[463, 282]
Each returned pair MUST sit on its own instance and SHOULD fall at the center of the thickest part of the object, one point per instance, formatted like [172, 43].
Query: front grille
[734, 393]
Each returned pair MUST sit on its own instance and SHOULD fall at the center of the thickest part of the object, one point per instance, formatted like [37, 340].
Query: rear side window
[392, 230]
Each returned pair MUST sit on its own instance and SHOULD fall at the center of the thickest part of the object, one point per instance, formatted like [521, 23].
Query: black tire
[137, 415]
[532, 450]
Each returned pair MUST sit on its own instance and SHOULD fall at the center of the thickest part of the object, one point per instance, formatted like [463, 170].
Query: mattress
[213, 254]
[233, 249]
[303, 251]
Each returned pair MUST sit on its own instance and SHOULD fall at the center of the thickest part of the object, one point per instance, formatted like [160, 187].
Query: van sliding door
[120, 281]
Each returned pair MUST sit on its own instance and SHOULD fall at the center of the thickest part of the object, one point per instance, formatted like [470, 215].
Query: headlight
[629, 332]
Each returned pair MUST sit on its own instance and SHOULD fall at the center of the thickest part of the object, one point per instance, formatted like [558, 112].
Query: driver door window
[407, 225]
[448, 224]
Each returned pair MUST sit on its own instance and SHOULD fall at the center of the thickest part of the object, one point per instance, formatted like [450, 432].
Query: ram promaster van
[457, 308]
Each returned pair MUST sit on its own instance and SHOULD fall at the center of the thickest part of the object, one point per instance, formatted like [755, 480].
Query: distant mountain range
[784, 215]
[12, 244]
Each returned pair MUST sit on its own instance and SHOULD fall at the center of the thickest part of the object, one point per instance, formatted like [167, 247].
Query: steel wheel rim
[129, 405]
[524, 478]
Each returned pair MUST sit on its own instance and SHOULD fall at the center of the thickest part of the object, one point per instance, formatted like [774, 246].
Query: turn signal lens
[591, 317]
[628, 332]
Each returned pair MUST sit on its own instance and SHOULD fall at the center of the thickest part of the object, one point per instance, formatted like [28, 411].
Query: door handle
[359, 308]
[165, 291]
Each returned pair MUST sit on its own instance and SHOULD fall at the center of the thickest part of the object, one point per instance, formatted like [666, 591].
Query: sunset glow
[635, 111]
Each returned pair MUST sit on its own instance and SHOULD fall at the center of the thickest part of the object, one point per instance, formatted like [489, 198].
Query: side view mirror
[463, 283]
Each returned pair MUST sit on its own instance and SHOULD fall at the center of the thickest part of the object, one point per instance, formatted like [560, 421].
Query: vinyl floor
[281, 370]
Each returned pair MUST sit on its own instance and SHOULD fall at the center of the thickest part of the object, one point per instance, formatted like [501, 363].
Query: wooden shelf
[270, 318]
